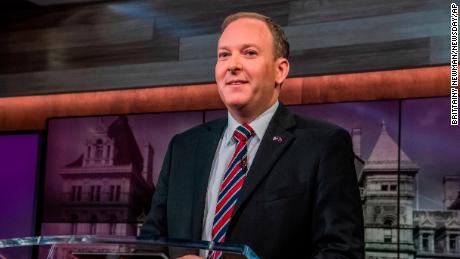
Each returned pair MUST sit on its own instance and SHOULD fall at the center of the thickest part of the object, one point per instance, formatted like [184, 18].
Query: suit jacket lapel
[274, 142]
[206, 149]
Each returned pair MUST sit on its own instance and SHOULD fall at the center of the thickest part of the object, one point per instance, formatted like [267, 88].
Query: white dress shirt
[222, 157]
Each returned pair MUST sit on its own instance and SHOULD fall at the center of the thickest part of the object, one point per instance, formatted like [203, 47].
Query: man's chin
[236, 106]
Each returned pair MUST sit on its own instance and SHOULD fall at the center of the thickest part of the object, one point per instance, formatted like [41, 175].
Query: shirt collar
[259, 125]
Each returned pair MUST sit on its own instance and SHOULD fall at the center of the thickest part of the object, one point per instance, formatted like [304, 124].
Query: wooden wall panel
[362, 57]
[368, 30]
[122, 44]
[43, 17]
[440, 49]
[197, 47]
[76, 36]
[205, 18]
[31, 112]
[354, 58]
[138, 52]
[309, 12]
[397, 27]
[101, 78]
[383, 85]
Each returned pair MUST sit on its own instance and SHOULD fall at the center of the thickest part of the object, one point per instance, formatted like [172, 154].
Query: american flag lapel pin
[278, 139]
[244, 163]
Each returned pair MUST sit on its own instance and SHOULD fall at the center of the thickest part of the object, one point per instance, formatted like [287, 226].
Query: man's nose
[235, 64]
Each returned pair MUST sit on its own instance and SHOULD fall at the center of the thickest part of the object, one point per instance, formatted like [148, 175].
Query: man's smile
[236, 82]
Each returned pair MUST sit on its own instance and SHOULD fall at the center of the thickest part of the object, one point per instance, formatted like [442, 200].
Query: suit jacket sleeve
[156, 222]
[337, 220]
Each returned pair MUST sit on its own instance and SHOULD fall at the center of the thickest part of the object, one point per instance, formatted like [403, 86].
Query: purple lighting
[18, 169]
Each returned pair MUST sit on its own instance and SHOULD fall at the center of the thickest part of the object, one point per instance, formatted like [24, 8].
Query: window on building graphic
[118, 193]
[393, 187]
[112, 193]
[73, 195]
[76, 193]
[113, 225]
[384, 187]
[453, 243]
[388, 222]
[93, 225]
[99, 148]
[74, 226]
[387, 235]
[98, 193]
[92, 192]
[108, 151]
[95, 193]
[426, 242]
[79, 193]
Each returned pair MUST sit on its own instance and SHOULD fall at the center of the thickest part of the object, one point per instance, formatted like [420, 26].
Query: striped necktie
[234, 177]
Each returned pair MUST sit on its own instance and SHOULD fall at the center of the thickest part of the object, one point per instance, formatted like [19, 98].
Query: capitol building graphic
[421, 233]
[106, 191]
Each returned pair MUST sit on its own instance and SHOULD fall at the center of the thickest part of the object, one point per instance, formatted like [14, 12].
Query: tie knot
[243, 132]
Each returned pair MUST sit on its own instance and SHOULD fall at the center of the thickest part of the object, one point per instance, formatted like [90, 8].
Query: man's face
[246, 71]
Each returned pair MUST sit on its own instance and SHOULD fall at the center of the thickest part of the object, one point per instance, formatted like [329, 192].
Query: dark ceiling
[9, 6]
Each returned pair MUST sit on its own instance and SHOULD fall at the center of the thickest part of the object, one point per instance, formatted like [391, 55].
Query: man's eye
[223, 54]
[250, 53]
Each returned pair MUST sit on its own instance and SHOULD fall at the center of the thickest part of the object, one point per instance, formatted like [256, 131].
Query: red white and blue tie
[234, 177]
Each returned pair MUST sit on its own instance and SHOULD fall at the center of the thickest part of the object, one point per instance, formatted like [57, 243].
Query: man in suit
[294, 191]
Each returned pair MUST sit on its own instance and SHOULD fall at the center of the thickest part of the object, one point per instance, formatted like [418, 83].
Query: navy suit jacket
[300, 198]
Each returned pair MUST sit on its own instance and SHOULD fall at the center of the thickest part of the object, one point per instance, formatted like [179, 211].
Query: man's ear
[282, 70]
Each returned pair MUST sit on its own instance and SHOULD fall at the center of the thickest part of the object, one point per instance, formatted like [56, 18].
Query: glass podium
[118, 247]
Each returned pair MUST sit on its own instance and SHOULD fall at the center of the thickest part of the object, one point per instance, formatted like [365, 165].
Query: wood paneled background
[31, 112]
[135, 44]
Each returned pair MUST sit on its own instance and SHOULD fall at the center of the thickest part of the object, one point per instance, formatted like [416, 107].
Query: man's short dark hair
[280, 43]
